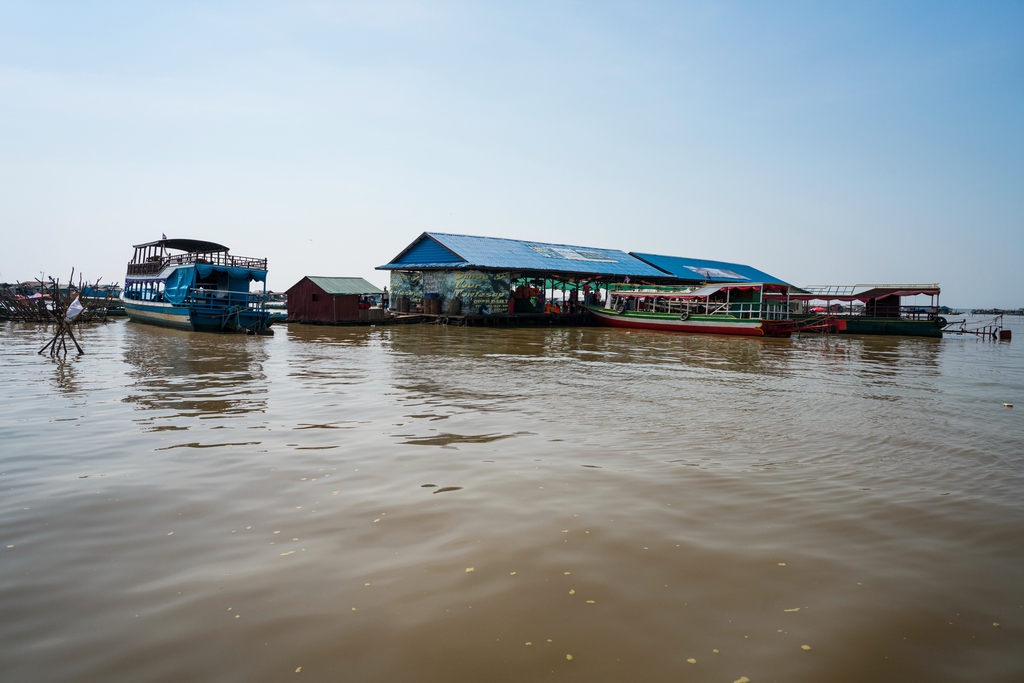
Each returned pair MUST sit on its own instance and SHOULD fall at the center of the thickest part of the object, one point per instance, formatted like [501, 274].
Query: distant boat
[108, 297]
[195, 285]
[748, 309]
[278, 311]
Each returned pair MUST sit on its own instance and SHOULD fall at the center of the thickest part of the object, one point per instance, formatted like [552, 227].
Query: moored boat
[195, 285]
[747, 308]
[875, 309]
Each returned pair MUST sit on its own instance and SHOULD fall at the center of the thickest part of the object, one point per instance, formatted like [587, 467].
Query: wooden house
[328, 300]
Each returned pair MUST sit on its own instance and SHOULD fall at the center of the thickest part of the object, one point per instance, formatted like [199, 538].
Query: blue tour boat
[195, 285]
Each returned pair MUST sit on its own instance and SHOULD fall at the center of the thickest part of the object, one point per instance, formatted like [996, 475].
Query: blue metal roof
[436, 250]
[425, 250]
[703, 270]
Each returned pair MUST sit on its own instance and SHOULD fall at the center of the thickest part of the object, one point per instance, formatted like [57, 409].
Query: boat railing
[895, 312]
[907, 312]
[742, 310]
[734, 309]
[147, 268]
[217, 299]
[199, 298]
[154, 264]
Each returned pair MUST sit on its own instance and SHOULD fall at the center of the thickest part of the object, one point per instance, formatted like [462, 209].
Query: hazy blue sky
[874, 143]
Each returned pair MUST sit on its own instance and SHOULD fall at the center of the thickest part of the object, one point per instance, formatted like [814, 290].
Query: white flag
[74, 309]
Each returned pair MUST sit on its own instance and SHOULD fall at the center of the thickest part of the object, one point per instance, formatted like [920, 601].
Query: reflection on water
[449, 439]
[194, 375]
[322, 356]
[887, 358]
[571, 345]
[64, 375]
[429, 504]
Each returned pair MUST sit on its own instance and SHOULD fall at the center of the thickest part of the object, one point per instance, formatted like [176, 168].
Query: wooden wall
[307, 302]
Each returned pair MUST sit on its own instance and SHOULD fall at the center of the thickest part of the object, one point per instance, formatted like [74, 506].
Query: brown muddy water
[441, 504]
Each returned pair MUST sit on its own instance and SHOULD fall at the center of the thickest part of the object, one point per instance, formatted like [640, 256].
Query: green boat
[873, 309]
[755, 309]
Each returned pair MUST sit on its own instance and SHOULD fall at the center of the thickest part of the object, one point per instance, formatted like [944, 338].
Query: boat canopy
[177, 284]
[765, 287]
[238, 272]
[868, 292]
[703, 292]
[192, 246]
[649, 294]
[707, 290]
[179, 281]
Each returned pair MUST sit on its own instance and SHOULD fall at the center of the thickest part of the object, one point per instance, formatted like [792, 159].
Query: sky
[825, 144]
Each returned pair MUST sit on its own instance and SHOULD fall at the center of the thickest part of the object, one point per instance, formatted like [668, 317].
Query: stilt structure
[986, 329]
[65, 310]
[30, 303]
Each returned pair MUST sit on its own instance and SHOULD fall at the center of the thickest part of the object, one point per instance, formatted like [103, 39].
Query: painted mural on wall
[479, 293]
[405, 283]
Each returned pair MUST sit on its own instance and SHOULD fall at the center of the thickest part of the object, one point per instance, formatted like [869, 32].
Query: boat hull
[694, 324]
[889, 327]
[162, 314]
[185, 318]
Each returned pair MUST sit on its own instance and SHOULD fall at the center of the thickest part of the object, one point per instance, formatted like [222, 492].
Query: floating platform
[583, 319]
[401, 319]
[498, 320]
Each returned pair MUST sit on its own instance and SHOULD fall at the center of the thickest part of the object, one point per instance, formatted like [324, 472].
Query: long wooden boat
[875, 309]
[748, 308]
[195, 285]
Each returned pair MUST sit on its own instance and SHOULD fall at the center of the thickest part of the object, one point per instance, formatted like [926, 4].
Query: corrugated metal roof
[703, 270]
[430, 251]
[435, 250]
[344, 285]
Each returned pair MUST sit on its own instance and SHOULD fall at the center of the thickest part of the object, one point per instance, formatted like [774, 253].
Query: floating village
[467, 280]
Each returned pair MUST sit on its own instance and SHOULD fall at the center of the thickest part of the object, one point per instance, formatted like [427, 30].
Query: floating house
[441, 273]
[329, 300]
